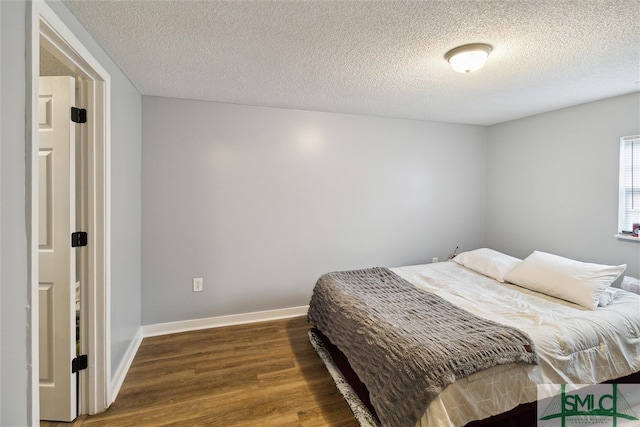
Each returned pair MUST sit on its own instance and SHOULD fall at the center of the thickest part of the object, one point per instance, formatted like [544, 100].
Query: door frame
[44, 26]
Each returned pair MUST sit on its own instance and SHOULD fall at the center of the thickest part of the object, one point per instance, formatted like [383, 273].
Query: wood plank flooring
[262, 374]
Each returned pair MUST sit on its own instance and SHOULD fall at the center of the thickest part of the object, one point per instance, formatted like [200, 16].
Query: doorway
[46, 31]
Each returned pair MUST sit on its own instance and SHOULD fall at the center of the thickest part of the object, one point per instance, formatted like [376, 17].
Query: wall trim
[122, 370]
[216, 322]
[45, 28]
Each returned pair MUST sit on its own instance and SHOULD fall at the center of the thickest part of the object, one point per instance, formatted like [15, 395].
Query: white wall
[260, 202]
[125, 208]
[552, 183]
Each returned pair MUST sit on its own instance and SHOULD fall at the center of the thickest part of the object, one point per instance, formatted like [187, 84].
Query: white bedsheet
[574, 345]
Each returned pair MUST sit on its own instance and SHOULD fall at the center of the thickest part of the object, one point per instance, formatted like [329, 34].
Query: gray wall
[552, 183]
[13, 350]
[125, 208]
[260, 202]
[1, 248]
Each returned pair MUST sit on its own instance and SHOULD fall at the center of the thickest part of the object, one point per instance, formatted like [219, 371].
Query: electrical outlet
[198, 285]
[434, 259]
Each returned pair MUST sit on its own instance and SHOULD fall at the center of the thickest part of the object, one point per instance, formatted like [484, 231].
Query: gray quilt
[406, 344]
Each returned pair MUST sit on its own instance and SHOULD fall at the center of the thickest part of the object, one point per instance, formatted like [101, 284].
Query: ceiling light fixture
[469, 57]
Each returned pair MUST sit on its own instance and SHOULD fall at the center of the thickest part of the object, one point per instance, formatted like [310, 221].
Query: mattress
[574, 345]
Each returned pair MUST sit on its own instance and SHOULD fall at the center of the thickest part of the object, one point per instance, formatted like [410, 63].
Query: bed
[582, 331]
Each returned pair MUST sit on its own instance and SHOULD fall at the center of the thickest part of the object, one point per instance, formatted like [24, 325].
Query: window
[629, 195]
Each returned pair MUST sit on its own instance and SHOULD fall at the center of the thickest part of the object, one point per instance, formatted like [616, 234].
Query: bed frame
[523, 415]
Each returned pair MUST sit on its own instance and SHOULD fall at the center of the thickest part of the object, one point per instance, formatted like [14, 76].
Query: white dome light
[468, 58]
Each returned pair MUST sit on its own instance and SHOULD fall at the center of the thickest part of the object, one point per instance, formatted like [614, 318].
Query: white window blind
[629, 196]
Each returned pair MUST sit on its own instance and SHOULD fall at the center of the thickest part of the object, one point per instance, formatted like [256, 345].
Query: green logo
[589, 408]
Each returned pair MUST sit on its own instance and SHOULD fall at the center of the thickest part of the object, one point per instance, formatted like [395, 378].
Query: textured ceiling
[380, 58]
[51, 66]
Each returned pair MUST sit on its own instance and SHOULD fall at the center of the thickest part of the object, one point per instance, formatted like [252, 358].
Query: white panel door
[56, 256]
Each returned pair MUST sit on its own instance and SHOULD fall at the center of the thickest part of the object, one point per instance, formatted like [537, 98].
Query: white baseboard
[123, 367]
[216, 322]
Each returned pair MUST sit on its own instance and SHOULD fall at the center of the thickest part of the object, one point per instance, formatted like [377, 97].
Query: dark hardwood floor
[262, 374]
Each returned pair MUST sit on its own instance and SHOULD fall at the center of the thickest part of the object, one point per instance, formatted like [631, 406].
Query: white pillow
[488, 262]
[574, 281]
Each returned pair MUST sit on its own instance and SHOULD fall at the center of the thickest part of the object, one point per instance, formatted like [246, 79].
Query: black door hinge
[79, 363]
[79, 238]
[78, 115]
